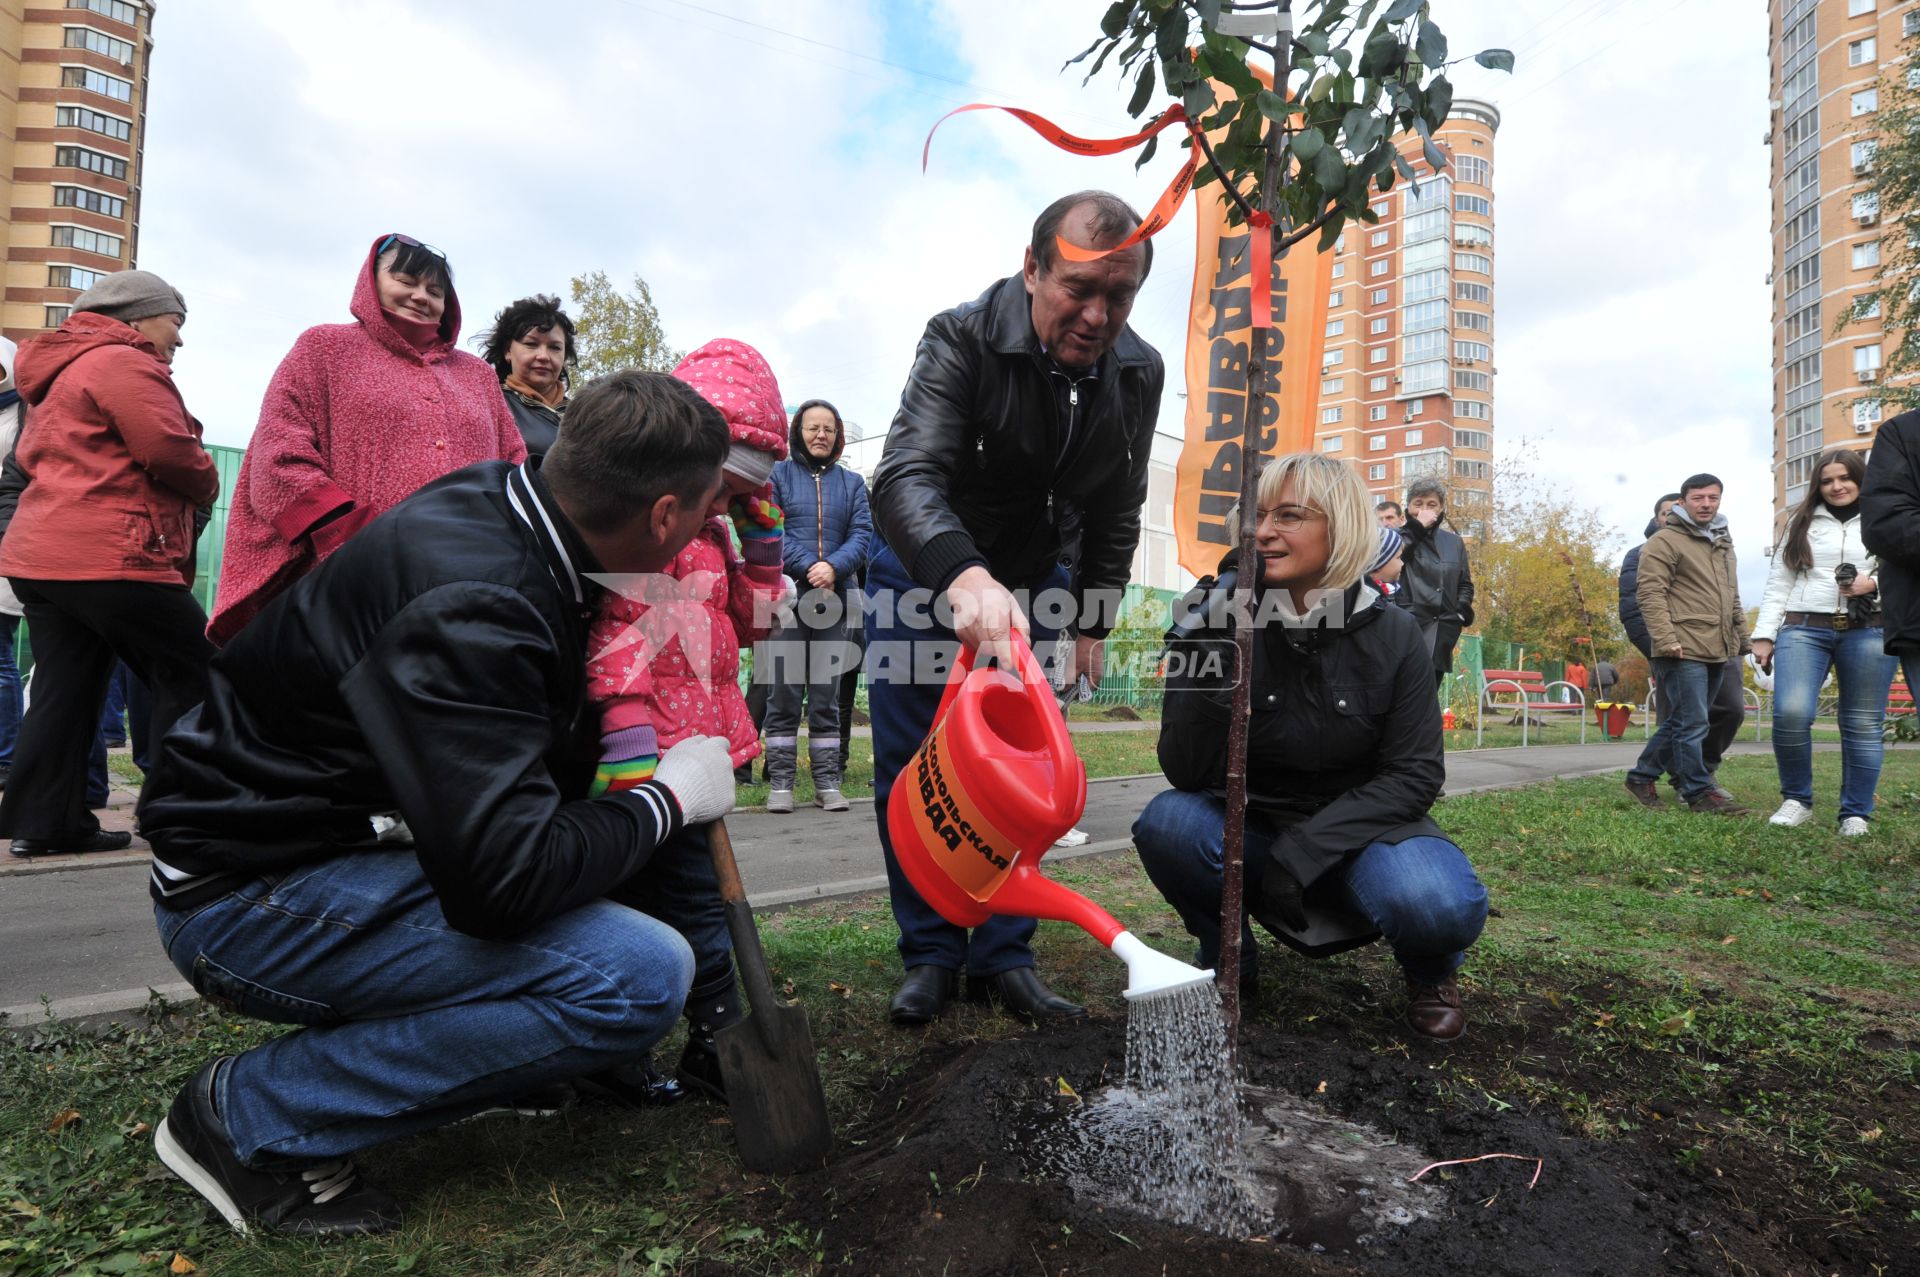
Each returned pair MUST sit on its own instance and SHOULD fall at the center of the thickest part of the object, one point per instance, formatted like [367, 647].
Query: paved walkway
[78, 930]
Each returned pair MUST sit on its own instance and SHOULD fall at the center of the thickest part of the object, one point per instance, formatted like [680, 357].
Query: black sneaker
[699, 1070]
[314, 1199]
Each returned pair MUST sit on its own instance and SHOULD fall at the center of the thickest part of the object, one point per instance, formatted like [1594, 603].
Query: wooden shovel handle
[724, 867]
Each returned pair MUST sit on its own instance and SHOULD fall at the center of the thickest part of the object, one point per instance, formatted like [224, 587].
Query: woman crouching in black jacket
[1344, 757]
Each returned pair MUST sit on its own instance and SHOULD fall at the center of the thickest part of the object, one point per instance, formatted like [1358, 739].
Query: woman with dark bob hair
[530, 346]
[358, 417]
[1816, 616]
[1344, 755]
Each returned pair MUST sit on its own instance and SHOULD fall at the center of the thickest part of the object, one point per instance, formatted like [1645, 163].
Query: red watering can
[991, 788]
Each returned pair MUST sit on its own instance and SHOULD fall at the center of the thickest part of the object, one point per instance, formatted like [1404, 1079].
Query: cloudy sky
[758, 162]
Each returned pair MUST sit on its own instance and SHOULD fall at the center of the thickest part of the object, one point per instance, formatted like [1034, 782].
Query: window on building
[1378, 239]
[1379, 354]
[1464, 380]
[92, 201]
[1866, 358]
[1415, 347]
[1377, 326]
[1420, 316]
[1471, 469]
[1471, 169]
[1333, 299]
[1857, 7]
[1376, 473]
[1478, 204]
[1866, 102]
[1378, 412]
[1863, 155]
[1379, 209]
[99, 42]
[57, 315]
[1331, 385]
[92, 161]
[1866, 206]
[1472, 410]
[1913, 73]
[1331, 416]
[1861, 52]
[1437, 193]
[1333, 357]
[1335, 327]
[1473, 262]
[1415, 438]
[1376, 385]
[1376, 443]
[1866, 412]
[1432, 283]
[1423, 226]
[1473, 236]
[1339, 270]
[1380, 297]
[1474, 351]
[79, 117]
[1867, 254]
[1477, 320]
[100, 82]
[1379, 267]
[1415, 407]
[1478, 440]
[86, 241]
[1910, 22]
[118, 10]
[73, 277]
[1419, 378]
[1415, 258]
[1333, 443]
[1872, 310]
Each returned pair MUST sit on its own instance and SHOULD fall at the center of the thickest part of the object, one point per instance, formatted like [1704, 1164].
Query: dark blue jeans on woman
[1802, 655]
[1422, 893]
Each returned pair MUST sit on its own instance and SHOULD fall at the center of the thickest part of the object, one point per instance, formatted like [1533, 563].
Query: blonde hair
[1333, 488]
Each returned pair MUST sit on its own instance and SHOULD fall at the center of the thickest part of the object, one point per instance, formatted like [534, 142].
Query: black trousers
[81, 630]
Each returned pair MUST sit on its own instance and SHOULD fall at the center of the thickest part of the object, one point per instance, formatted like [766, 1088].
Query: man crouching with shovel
[433, 668]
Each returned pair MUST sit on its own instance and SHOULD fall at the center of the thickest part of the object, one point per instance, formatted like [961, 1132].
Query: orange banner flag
[1220, 333]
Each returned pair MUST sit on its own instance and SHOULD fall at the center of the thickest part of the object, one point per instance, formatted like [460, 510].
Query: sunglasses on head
[410, 242]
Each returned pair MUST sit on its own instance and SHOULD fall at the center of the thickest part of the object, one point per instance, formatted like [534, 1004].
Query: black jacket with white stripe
[434, 666]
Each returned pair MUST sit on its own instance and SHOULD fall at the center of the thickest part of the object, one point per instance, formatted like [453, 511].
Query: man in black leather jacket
[432, 670]
[1890, 527]
[1033, 399]
[1436, 585]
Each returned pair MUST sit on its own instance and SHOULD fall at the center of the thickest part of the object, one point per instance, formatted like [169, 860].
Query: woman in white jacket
[1806, 627]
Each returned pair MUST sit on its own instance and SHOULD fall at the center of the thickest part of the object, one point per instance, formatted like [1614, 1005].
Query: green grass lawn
[1762, 981]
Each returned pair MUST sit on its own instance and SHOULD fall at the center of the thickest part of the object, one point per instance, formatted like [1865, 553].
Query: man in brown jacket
[1689, 595]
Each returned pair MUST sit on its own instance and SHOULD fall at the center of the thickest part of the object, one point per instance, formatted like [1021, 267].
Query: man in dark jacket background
[828, 538]
[1890, 527]
[1729, 708]
[1032, 399]
[1436, 583]
[493, 942]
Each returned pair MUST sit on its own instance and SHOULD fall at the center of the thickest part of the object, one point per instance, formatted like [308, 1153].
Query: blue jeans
[409, 1024]
[1691, 687]
[1801, 657]
[9, 688]
[1422, 893]
[902, 708]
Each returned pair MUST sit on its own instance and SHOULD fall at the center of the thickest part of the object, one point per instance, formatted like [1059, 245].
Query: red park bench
[1899, 700]
[1524, 693]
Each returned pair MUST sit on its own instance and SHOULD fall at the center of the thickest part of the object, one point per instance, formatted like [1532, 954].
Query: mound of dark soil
[940, 1181]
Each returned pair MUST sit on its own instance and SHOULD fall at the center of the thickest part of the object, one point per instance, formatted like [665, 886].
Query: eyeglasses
[1290, 518]
[410, 242]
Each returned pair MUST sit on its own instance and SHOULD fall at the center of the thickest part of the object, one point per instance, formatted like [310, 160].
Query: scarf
[557, 400]
[420, 334]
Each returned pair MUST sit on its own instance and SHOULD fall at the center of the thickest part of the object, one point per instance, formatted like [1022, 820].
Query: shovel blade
[778, 1106]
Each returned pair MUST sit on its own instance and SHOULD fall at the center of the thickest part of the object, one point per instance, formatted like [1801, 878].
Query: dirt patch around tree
[953, 1175]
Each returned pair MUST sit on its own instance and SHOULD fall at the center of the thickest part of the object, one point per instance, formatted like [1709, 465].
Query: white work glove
[699, 773]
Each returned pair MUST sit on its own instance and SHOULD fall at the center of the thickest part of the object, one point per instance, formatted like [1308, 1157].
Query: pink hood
[736, 379]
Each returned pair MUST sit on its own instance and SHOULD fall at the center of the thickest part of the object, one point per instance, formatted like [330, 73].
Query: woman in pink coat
[356, 419]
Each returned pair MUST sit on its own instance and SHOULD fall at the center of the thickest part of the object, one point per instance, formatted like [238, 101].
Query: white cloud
[769, 187]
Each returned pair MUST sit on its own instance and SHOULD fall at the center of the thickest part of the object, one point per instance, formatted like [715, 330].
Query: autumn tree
[615, 330]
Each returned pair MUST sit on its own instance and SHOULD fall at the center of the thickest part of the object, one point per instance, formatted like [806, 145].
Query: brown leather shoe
[1717, 802]
[1434, 1010]
[1646, 793]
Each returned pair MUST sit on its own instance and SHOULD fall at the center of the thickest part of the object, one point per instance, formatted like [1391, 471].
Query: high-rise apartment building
[1406, 389]
[1828, 60]
[73, 95]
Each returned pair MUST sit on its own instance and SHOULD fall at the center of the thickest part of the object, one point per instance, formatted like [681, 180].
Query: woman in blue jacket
[829, 536]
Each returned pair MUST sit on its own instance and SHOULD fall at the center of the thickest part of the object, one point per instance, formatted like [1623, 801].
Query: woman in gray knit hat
[100, 547]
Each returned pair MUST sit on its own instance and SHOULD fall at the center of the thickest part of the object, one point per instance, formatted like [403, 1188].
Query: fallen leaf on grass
[64, 1120]
[1553, 999]
[181, 1264]
[25, 1208]
[788, 990]
[1603, 1020]
[1060, 1087]
[844, 990]
[1674, 1025]
[1728, 939]
[1320, 1089]
[1868, 1137]
[1765, 894]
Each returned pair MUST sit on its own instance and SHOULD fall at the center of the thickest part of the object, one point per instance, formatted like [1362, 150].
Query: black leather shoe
[923, 995]
[636, 1084]
[1021, 992]
[699, 1071]
[98, 840]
